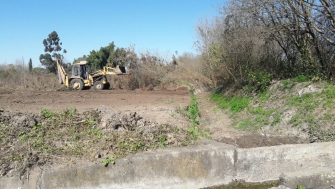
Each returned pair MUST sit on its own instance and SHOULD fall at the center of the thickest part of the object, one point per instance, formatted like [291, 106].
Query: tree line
[108, 55]
[252, 41]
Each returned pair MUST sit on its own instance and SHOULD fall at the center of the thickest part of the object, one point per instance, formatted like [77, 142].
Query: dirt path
[216, 120]
[220, 127]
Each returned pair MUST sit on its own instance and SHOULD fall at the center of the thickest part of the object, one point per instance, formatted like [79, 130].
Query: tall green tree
[30, 64]
[110, 55]
[52, 49]
[99, 59]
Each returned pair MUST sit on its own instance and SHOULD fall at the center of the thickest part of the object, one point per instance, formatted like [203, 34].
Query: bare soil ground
[147, 109]
[159, 106]
[154, 105]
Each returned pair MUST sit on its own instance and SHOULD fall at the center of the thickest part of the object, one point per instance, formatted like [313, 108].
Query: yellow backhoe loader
[83, 77]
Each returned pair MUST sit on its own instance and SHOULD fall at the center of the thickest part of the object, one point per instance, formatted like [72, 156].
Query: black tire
[98, 85]
[107, 86]
[77, 84]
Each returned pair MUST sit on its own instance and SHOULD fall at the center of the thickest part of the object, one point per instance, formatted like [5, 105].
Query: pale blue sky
[163, 26]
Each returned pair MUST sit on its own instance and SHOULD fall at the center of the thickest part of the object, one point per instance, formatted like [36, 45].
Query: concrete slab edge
[210, 163]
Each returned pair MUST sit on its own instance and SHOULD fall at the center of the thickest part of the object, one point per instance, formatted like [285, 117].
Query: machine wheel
[77, 84]
[107, 86]
[98, 85]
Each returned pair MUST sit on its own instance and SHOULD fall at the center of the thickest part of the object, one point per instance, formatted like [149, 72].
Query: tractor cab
[81, 70]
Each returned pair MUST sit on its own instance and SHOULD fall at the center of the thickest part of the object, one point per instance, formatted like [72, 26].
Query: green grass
[257, 119]
[234, 104]
[312, 113]
[300, 79]
[264, 96]
[307, 102]
[260, 111]
[193, 110]
[287, 85]
[193, 114]
[258, 116]
[46, 113]
[329, 91]
[276, 119]
[295, 121]
[243, 124]
[237, 104]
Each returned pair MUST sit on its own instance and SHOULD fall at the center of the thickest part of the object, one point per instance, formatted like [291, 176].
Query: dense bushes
[18, 76]
[250, 43]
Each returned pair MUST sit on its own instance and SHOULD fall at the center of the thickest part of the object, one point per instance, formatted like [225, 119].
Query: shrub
[300, 79]
[257, 81]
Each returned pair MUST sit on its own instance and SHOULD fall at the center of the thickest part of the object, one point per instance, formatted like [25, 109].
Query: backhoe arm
[62, 76]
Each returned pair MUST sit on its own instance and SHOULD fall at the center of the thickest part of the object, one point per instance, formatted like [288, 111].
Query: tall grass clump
[235, 104]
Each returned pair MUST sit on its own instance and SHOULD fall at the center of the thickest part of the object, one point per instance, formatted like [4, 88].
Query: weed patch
[329, 91]
[243, 124]
[292, 104]
[235, 104]
[70, 136]
[287, 85]
[263, 96]
[192, 112]
[300, 79]
[258, 117]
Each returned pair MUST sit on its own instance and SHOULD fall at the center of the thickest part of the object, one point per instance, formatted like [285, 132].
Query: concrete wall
[267, 163]
[189, 167]
[208, 164]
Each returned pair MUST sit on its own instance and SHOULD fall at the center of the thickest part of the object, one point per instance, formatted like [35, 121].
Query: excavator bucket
[120, 70]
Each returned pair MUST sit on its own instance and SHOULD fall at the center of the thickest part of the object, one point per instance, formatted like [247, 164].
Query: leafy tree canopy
[110, 55]
[52, 49]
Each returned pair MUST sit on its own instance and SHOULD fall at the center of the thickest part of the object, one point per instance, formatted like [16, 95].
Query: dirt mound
[130, 121]
[118, 81]
[96, 136]
[13, 126]
[146, 131]
[17, 119]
